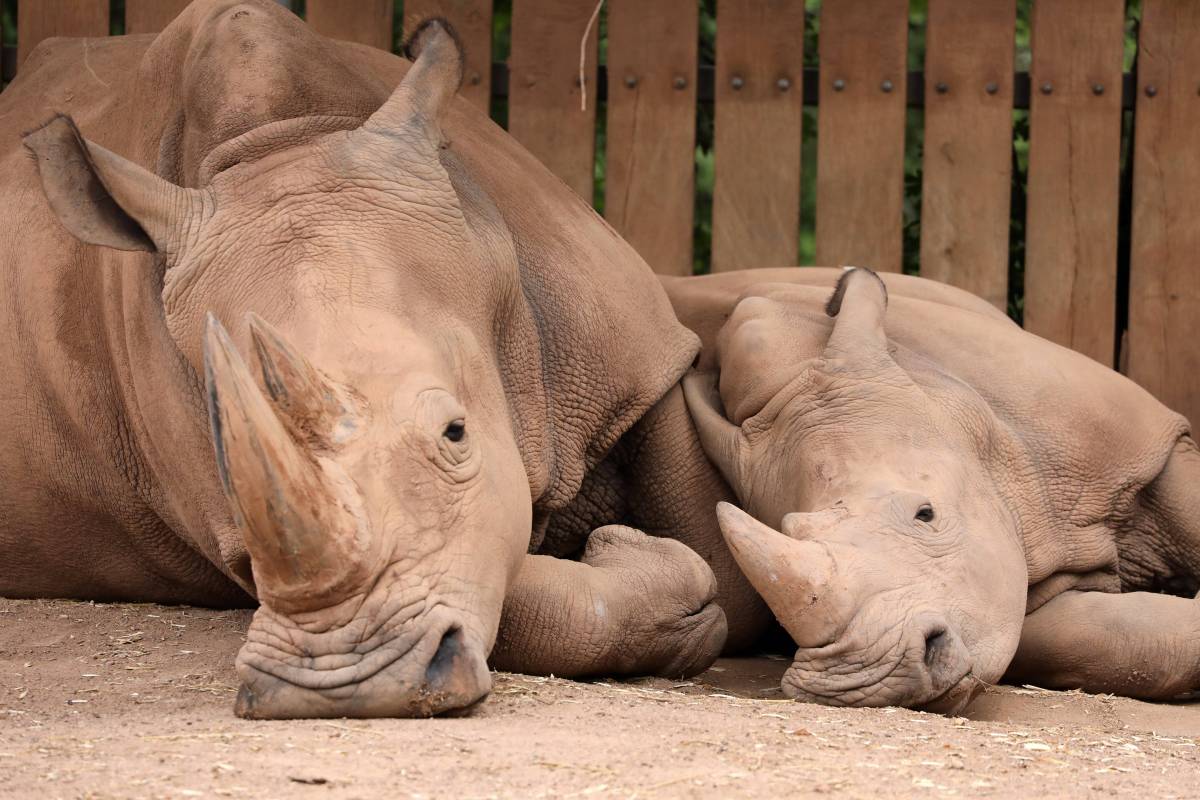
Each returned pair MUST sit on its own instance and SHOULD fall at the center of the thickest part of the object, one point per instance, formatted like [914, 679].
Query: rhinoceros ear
[721, 440]
[858, 304]
[422, 97]
[107, 200]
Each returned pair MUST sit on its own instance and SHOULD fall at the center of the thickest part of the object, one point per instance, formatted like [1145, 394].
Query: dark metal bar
[706, 76]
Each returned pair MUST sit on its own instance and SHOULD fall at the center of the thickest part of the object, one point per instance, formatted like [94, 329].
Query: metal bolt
[1097, 89]
[886, 86]
[737, 82]
[631, 81]
[1047, 88]
[941, 87]
[475, 79]
[992, 88]
[1151, 90]
[783, 84]
[839, 85]
[680, 82]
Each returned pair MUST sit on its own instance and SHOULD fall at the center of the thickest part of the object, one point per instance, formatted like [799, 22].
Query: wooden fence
[1076, 97]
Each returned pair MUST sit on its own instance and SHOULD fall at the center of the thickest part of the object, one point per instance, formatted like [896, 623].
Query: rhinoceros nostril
[443, 660]
[935, 641]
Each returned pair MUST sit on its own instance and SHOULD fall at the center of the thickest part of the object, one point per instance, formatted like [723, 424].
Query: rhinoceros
[931, 497]
[446, 341]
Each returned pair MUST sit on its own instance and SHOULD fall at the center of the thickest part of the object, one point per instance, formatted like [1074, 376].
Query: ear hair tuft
[834, 306]
[417, 39]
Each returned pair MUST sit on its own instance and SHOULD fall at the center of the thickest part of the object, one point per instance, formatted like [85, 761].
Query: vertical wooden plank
[651, 134]
[967, 189]
[151, 16]
[363, 21]
[860, 133]
[1074, 174]
[42, 19]
[759, 104]
[472, 20]
[1164, 302]
[543, 91]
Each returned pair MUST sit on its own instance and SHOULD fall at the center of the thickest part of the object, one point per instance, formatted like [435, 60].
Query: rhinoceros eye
[925, 513]
[455, 431]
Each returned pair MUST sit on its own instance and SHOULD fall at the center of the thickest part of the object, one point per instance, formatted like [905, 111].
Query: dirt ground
[101, 701]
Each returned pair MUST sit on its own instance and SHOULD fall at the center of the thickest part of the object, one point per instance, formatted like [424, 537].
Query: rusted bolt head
[783, 84]
[992, 88]
[1047, 88]
[737, 82]
[1151, 90]
[839, 85]
[941, 87]
[1097, 89]
[680, 82]
[475, 79]
[886, 86]
[631, 81]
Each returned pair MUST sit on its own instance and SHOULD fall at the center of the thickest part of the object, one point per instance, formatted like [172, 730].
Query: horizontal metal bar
[706, 77]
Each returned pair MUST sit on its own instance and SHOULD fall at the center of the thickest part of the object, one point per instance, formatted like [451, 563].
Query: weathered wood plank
[650, 177]
[42, 19]
[860, 133]
[151, 16]
[363, 21]
[472, 20]
[756, 196]
[1164, 302]
[1074, 174]
[967, 171]
[543, 97]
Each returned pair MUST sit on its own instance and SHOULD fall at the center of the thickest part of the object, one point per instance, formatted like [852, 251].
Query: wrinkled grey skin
[936, 497]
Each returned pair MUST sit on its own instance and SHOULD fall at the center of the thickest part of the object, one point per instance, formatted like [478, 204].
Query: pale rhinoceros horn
[797, 579]
[305, 544]
[318, 407]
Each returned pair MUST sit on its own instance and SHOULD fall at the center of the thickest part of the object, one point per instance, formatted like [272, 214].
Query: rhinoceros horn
[797, 579]
[303, 540]
[317, 406]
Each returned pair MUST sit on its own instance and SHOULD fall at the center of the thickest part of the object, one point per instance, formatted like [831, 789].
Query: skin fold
[931, 499]
[291, 325]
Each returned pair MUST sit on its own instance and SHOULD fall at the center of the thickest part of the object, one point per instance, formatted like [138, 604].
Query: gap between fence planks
[860, 133]
[151, 16]
[1164, 302]
[370, 22]
[472, 20]
[967, 169]
[1074, 174]
[43, 19]
[543, 91]
[649, 189]
[759, 108]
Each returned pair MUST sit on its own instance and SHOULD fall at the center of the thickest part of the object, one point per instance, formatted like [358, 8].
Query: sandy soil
[136, 701]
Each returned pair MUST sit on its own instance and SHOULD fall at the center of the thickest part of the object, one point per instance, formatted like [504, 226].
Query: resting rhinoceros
[957, 497]
[449, 342]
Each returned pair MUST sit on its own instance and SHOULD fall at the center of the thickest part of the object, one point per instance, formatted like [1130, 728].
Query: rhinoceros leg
[673, 491]
[633, 605]
[1138, 644]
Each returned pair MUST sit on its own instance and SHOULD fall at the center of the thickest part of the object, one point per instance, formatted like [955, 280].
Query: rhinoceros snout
[431, 666]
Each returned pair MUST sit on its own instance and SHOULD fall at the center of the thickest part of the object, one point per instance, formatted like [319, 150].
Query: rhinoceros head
[892, 562]
[368, 455]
